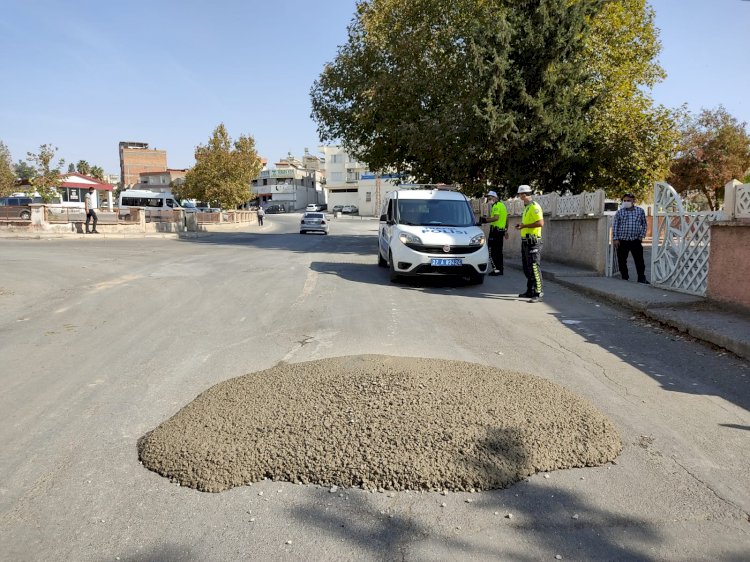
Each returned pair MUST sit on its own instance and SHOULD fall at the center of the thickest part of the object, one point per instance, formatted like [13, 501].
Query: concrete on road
[103, 339]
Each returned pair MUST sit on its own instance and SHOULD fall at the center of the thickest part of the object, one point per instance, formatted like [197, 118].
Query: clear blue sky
[84, 75]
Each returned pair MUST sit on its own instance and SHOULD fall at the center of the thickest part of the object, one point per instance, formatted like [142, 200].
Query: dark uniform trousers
[531, 256]
[495, 242]
[636, 248]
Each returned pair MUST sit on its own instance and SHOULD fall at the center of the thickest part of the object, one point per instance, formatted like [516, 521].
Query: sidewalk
[696, 316]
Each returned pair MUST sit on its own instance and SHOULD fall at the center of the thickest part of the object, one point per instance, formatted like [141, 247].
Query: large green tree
[630, 141]
[552, 92]
[714, 149]
[470, 91]
[7, 174]
[48, 174]
[223, 171]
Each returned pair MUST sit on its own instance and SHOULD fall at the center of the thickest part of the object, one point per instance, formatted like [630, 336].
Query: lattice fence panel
[569, 205]
[680, 261]
[742, 201]
[593, 203]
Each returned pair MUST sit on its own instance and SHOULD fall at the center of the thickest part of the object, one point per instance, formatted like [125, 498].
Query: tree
[470, 92]
[630, 142]
[97, 172]
[71, 168]
[715, 148]
[549, 92]
[83, 167]
[48, 175]
[7, 175]
[24, 171]
[223, 171]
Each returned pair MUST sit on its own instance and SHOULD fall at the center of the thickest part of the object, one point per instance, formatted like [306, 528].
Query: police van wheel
[394, 275]
[381, 261]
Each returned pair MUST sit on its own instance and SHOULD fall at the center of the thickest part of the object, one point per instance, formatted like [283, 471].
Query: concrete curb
[715, 327]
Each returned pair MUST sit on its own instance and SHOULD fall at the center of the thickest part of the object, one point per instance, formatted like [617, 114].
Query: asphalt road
[103, 339]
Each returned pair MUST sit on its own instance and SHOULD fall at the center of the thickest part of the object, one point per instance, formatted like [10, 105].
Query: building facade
[74, 187]
[293, 183]
[342, 180]
[161, 181]
[137, 157]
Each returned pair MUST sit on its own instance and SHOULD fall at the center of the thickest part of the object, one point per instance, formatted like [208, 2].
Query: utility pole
[377, 194]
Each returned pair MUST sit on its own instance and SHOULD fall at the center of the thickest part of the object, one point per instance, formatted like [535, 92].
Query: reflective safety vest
[531, 213]
[502, 215]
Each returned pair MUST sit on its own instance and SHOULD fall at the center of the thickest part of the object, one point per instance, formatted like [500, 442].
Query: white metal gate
[681, 243]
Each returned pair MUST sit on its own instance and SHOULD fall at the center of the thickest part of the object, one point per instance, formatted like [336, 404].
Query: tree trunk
[711, 202]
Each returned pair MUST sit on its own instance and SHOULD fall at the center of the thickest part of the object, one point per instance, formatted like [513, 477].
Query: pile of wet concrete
[379, 422]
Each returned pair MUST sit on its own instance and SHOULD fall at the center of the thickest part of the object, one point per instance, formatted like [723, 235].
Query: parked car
[350, 210]
[431, 232]
[17, 207]
[313, 222]
[312, 207]
[189, 207]
[337, 208]
[275, 209]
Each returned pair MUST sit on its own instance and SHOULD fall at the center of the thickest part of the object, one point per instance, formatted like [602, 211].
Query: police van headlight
[408, 238]
[478, 240]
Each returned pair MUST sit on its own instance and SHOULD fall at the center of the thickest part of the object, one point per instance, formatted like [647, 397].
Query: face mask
[627, 204]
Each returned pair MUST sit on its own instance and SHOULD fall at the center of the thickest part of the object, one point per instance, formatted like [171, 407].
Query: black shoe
[494, 273]
[624, 278]
[526, 295]
[644, 282]
[87, 232]
[535, 298]
[94, 232]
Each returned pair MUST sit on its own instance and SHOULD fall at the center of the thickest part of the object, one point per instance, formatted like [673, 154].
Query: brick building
[137, 157]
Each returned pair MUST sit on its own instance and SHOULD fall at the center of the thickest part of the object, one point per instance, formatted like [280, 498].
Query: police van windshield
[435, 212]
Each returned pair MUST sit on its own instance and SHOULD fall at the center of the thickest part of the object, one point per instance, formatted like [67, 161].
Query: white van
[151, 200]
[431, 232]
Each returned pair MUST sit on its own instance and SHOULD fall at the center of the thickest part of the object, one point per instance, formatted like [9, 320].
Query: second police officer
[531, 225]
[498, 221]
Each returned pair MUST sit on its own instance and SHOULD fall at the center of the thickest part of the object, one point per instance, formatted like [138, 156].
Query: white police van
[431, 232]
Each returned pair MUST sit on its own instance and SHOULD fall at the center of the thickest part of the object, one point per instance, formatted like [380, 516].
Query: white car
[313, 222]
[431, 232]
[312, 207]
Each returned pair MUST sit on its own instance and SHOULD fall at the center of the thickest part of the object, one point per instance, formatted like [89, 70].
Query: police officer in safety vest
[498, 221]
[531, 225]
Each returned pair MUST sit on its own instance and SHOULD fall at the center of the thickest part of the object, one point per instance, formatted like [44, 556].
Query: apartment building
[342, 180]
[137, 157]
[292, 182]
[161, 181]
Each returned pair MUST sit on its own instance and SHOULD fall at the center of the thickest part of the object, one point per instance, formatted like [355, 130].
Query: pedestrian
[498, 221]
[261, 214]
[531, 225]
[628, 232]
[90, 206]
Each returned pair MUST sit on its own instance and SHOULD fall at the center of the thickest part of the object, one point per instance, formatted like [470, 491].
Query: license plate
[446, 262]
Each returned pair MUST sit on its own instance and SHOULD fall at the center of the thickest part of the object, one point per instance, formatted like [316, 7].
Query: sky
[85, 75]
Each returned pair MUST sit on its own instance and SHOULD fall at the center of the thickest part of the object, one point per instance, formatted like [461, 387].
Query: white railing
[737, 200]
[682, 242]
[555, 205]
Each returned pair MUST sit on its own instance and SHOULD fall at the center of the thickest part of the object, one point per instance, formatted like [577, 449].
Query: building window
[337, 176]
[336, 158]
[368, 196]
